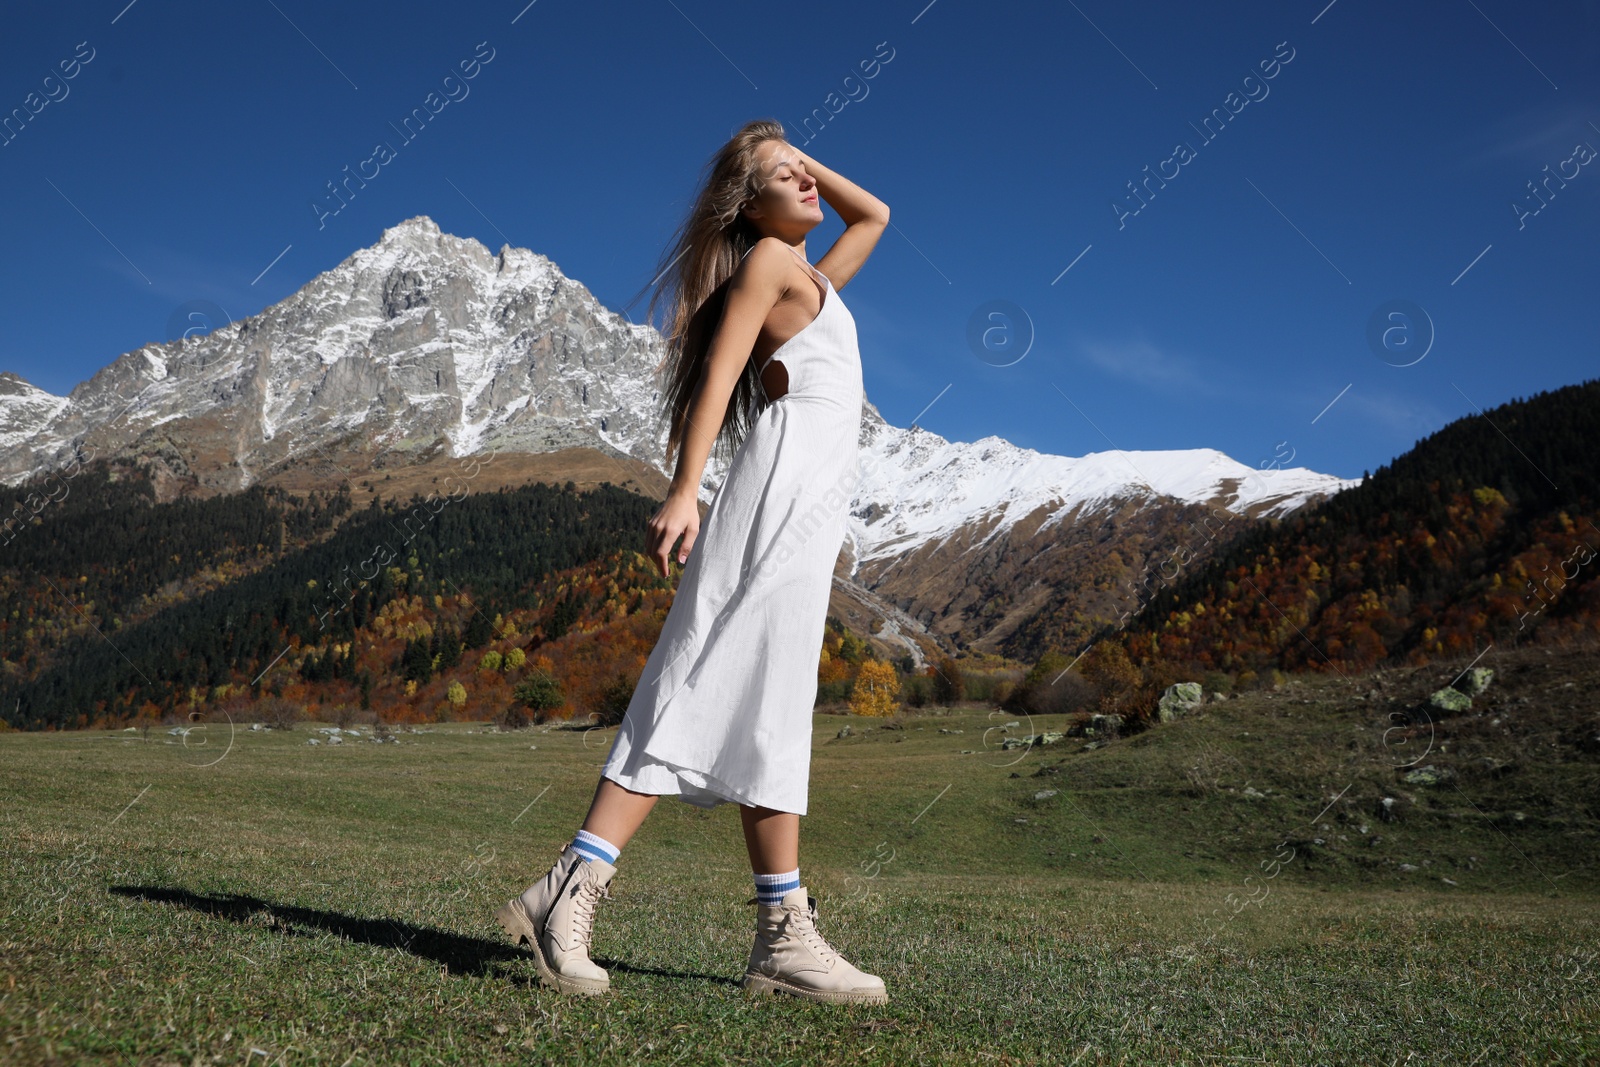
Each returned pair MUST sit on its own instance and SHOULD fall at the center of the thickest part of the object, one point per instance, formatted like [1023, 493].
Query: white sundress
[723, 708]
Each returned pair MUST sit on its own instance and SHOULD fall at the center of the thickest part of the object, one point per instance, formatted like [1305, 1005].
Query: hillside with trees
[1486, 531]
[296, 601]
[518, 605]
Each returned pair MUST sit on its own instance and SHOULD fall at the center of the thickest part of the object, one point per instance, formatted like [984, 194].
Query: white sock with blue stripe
[594, 847]
[770, 888]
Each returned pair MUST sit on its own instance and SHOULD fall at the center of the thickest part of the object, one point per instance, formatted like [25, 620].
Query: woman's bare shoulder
[766, 266]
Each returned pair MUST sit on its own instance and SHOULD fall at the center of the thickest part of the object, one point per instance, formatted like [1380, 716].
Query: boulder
[1474, 681]
[1430, 775]
[1049, 737]
[1179, 698]
[1450, 700]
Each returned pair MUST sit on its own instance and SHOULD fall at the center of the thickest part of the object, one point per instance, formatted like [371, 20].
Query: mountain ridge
[425, 347]
[427, 340]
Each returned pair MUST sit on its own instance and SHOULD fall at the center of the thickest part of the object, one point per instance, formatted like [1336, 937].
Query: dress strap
[810, 269]
[802, 260]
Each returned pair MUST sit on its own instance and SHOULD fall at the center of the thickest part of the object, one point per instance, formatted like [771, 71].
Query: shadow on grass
[460, 954]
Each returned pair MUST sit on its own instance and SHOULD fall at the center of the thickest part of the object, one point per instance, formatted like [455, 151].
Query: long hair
[692, 280]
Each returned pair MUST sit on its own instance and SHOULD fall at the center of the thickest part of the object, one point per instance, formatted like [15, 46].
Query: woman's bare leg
[772, 838]
[616, 813]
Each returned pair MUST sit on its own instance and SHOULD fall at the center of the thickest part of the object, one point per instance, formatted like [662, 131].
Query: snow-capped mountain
[421, 343]
[930, 489]
[428, 345]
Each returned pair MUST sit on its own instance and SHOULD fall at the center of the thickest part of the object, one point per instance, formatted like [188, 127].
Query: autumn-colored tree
[852, 649]
[1107, 667]
[830, 666]
[876, 690]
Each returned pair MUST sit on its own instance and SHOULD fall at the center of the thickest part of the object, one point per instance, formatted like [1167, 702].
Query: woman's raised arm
[864, 215]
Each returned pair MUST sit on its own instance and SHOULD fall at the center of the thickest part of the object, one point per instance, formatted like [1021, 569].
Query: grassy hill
[1220, 887]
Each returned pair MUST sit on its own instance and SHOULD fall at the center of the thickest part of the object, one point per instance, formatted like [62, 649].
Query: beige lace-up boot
[791, 956]
[555, 917]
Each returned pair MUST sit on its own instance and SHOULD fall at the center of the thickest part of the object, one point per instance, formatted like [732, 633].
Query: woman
[723, 709]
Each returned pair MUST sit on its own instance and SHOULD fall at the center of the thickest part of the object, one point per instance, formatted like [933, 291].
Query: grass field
[255, 899]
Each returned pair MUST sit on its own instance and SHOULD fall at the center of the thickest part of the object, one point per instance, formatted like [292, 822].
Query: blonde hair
[692, 281]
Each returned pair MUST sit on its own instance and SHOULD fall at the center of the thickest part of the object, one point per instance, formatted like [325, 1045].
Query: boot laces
[802, 921]
[583, 906]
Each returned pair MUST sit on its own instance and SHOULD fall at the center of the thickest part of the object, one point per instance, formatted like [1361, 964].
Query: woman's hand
[679, 514]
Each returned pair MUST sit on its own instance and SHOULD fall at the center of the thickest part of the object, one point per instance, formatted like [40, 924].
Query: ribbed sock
[594, 847]
[770, 888]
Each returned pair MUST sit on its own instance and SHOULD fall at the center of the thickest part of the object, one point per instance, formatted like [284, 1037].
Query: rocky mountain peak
[426, 344]
[416, 228]
[15, 385]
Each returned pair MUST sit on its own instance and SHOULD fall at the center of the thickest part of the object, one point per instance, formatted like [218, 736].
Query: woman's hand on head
[679, 515]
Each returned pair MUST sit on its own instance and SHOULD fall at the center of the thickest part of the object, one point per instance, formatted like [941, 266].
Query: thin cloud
[1544, 133]
[1143, 363]
[1396, 414]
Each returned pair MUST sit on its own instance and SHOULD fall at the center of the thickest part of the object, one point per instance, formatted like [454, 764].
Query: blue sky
[1379, 163]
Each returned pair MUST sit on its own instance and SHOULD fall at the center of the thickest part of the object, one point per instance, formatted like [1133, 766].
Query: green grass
[191, 904]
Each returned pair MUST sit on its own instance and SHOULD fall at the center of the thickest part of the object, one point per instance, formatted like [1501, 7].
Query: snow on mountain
[23, 408]
[918, 487]
[428, 344]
